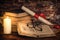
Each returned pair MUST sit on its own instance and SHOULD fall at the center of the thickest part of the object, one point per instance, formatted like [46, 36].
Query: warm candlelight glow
[7, 25]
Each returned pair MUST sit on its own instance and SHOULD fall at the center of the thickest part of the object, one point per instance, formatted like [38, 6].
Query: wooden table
[15, 36]
[19, 37]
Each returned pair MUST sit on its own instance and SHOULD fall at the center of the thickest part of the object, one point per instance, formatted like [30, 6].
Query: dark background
[14, 5]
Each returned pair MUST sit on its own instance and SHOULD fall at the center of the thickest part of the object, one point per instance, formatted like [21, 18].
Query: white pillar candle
[7, 25]
[33, 14]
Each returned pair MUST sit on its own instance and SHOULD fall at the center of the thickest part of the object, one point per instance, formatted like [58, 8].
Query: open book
[36, 31]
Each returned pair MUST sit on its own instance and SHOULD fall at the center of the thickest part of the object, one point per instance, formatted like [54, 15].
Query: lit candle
[7, 25]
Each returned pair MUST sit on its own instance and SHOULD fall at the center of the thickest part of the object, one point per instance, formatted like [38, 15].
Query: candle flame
[7, 17]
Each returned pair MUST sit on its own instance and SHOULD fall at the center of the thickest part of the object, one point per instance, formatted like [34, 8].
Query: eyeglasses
[35, 24]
